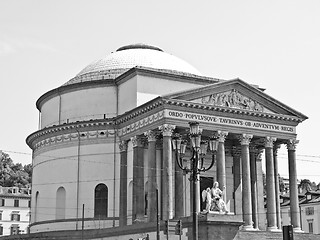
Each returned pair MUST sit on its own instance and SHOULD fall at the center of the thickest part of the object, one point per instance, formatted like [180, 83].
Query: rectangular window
[16, 203]
[309, 210]
[15, 217]
[0, 215]
[14, 230]
[29, 204]
[3, 202]
[1, 230]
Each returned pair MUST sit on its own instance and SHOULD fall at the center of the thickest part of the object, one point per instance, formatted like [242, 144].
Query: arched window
[101, 201]
[61, 203]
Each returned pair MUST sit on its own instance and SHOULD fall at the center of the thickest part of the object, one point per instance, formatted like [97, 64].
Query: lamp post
[199, 151]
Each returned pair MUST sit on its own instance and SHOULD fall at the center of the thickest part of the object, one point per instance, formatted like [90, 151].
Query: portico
[244, 120]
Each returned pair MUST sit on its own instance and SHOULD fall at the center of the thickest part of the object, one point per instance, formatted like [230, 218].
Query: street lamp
[199, 151]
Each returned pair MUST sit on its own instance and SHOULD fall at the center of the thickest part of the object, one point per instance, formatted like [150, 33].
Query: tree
[13, 174]
[305, 185]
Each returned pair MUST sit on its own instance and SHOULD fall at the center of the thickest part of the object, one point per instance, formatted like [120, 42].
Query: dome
[126, 57]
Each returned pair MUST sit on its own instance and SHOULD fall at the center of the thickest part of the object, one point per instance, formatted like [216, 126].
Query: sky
[274, 44]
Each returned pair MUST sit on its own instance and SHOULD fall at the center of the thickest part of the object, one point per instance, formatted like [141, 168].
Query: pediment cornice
[162, 103]
[250, 96]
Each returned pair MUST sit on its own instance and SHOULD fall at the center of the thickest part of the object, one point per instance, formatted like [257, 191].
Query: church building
[105, 163]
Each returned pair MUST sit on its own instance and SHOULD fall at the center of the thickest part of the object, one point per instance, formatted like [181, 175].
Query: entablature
[54, 134]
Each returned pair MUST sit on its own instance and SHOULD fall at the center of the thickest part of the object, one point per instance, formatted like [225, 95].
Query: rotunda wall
[79, 105]
[127, 95]
[141, 89]
[149, 87]
[59, 168]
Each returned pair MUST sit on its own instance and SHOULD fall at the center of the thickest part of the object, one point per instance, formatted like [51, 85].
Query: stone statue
[217, 201]
[206, 197]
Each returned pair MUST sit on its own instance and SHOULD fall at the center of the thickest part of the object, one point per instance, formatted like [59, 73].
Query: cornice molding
[182, 103]
[141, 123]
[264, 115]
[71, 131]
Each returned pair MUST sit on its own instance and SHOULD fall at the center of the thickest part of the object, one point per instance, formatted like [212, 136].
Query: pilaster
[123, 146]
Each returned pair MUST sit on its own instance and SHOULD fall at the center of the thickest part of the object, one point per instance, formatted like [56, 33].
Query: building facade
[309, 210]
[104, 145]
[14, 210]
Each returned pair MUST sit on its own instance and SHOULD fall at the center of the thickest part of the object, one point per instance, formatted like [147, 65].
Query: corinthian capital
[258, 153]
[137, 141]
[220, 135]
[276, 147]
[292, 143]
[268, 142]
[151, 135]
[123, 145]
[167, 129]
[245, 139]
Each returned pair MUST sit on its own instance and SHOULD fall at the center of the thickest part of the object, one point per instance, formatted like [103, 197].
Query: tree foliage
[12, 174]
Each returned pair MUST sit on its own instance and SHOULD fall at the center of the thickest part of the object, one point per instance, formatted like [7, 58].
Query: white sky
[275, 44]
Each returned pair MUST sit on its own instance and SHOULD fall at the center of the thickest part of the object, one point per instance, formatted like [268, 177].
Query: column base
[273, 229]
[248, 228]
[298, 230]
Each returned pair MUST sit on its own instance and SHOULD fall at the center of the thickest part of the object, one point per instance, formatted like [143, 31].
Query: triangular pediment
[236, 94]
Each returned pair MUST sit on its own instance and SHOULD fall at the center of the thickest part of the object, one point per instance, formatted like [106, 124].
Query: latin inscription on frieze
[229, 121]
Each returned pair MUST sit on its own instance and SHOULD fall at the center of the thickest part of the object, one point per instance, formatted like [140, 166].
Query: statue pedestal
[215, 225]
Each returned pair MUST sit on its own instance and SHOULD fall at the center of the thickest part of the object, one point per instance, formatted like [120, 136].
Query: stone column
[253, 178]
[123, 145]
[138, 180]
[271, 197]
[276, 182]
[294, 200]
[179, 200]
[152, 176]
[260, 189]
[236, 153]
[221, 162]
[168, 174]
[246, 183]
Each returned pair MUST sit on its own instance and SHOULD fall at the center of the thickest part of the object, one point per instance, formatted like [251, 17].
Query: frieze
[63, 138]
[233, 99]
[228, 121]
[141, 123]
